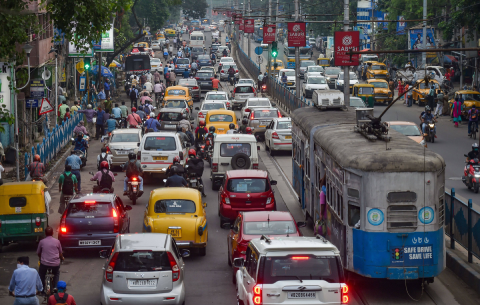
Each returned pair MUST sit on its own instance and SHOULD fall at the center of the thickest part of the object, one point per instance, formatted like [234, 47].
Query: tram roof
[308, 117]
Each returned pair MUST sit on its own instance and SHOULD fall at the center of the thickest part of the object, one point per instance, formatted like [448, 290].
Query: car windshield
[261, 114]
[170, 116]
[315, 69]
[124, 137]
[204, 74]
[174, 206]
[284, 125]
[323, 62]
[352, 76]
[378, 67]
[358, 103]
[408, 130]
[244, 89]
[216, 97]
[231, 149]
[245, 81]
[160, 143]
[176, 92]
[89, 209]
[306, 63]
[288, 73]
[247, 185]
[227, 66]
[182, 61]
[155, 60]
[260, 103]
[379, 84]
[226, 59]
[471, 97]
[197, 50]
[365, 90]
[220, 118]
[269, 227]
[304, 267]
[175, 104]
[316, 80]
[206, 57]
[142, 261]
[187, 82]
[332, 71]
[213, 106]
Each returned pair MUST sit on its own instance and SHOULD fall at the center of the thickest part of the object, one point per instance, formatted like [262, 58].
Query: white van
[232, 151]
[197, 39]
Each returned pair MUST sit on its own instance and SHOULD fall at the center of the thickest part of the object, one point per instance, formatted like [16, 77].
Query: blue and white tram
[385, 201]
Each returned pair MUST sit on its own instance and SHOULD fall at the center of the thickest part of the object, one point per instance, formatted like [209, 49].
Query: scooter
[430, 131]
[133, 191]
[471, 174]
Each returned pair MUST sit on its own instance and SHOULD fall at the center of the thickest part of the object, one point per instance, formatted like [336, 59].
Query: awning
[449, 59]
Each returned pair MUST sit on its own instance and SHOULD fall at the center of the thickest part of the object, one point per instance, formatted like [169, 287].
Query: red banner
[269, 33]
[344, 42]
[249, 26]
[229, 14]
[297, 34]
[241, 27]
[238, 18]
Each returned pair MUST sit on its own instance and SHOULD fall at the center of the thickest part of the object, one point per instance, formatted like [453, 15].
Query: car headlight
[477, 175]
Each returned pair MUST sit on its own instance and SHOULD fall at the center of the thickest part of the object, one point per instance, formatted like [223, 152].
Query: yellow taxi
[280, 66]
[179, 92]
[383, 94]
[377, 70]
[170, 32]
[178, 211]
[221, 119]
[420, 92]
[323, 62]
[160, 36]
[141, 45]
[469, 97]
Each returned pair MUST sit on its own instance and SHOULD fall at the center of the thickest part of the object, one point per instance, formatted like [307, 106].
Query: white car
[247, 81]
[156, 65]
[278, 135]
[290, 73]
[339, 84]
[258, 102]
[207, 29]
[121, 143]
[215, 34]
[225, 60]
[314, 83]
[210, 105]
[313, 70]
[156, 45]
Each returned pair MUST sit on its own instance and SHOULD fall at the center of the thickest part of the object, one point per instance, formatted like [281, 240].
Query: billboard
[296, 34]
[415, 39]
[5, 94]
[401, 25]
[249, 26]
[238, 18]
[344, 42]
[269, 31]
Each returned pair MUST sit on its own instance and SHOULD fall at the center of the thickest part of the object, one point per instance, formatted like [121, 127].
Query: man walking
[25, 283]
[49, 253]
[100, 128]
[75, 163]
[89, 113]
[173, 78]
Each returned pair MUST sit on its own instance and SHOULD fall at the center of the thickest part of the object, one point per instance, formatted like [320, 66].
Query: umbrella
[105, 71]
[115, 64]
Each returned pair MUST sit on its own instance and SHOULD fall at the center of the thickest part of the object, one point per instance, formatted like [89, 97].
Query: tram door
[302, 173]
[297, 164]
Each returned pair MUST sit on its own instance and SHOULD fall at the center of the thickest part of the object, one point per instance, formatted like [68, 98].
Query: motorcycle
[81, 154]
[471, 174]
[208, 151]
[133, 189]
[264, 88]
[193, 181]
[430, 131]
[99, 190]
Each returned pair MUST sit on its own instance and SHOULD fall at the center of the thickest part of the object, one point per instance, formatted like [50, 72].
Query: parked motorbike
[471, 174]
[98, 189]
[430, 131]
[133, 189]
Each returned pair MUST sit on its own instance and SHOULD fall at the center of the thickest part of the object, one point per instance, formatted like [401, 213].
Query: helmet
[248, 130]
[473, 106]
[112, 116]
[211, 129]
[36, 158]
[475, 146]
[176, 159]
[244, 121]
[427, 108]
[152, 115]
[192, 152]
[140, 107]
[201, 123]
[184, 116]
[231, 126]
[132, 156]
[104, 164]
[134, 109]
[89, 106]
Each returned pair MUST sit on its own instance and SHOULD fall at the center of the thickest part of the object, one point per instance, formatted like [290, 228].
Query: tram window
[340, 197]
[402, 218]
[402, 197]
[353, 193]
[353, 214]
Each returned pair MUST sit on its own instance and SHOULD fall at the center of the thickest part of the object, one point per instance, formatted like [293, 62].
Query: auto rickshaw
[24, 208]
[170, 33]
[366, 92]
[323, 61]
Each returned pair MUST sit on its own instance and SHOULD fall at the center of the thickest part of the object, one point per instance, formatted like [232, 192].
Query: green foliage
[462, 13]
[196, 9]
[153, 13]
[123, 30]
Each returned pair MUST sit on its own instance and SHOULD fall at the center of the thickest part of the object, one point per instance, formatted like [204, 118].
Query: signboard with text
[249, 26]
[238, 18]
[5, 94]
[344, 42]
[37, 88]
[269, 33]
[297, 34]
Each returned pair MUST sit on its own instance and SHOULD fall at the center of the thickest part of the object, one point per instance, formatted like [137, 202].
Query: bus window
[353, 193]
[353, 214]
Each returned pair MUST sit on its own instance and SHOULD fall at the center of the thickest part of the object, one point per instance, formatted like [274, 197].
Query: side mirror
[128, 207]
[258, 147]
[197, 108]
[273, 182]
[238, 262]
[301, 224]
[204, 204]
[103, 253]
[138, 144]
[185, 253]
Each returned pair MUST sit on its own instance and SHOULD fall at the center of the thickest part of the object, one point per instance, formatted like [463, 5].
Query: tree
[461, 13]
[196, 9]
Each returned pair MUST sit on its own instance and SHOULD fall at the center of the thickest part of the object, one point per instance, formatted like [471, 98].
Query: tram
[385, 200]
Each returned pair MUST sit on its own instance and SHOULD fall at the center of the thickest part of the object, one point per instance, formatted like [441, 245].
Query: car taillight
[247, 110]
[251, 116]
[345, 297]
[175, 268]
[228, 104]
[134, 179]
[195, 88]
[108, 150]
[236, 71]
[111, 266]
[222, 71]
[275, 136]
[225, 198]
[255, 166]
[242, 248]
[214, 167]
[200, 115]
[197, 78]
[279, 114]
[37, 221]
[176, 66]
[115, 221]
[264, 87]
[63, 222]
[257, 294]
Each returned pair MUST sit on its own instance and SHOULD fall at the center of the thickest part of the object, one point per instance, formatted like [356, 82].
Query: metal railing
[463, 225]
[53, 142]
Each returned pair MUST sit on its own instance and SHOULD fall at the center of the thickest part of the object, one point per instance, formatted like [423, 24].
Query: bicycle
[49, 289]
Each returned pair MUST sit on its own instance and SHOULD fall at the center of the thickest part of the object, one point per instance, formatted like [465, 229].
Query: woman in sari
[457, 111]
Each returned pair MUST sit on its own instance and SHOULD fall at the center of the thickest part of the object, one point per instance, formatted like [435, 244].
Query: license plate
[289, 84]
[142, 283]
[302, 295]
[134, 183]
[193, 180]
[288, 137]
[160, 158]
[243, 95]
[123, 152]
[262, 126]
[134, 188]
[89, 242]
[154, 66]
[175, 232]
[170, 126]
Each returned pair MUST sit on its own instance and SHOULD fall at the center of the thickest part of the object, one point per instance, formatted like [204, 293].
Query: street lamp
[27, 48]
[53, 50]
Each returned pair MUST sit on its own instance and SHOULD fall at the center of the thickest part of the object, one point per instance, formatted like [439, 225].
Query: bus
[195, 24]
[289, 55]
[205, 21]
[258, 34]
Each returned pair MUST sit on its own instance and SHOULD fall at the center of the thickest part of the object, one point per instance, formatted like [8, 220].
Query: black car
[195, 51]
[204, 61]
[204, 79]
[93, 221]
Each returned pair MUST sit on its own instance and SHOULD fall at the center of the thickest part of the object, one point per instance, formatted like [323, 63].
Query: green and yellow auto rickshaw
[24, 210]
[366, 92]
[323, 62]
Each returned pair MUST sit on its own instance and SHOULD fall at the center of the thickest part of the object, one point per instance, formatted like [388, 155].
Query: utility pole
[346, 69]
[244, 6]
[249, 37]
[424, 43]
[297, 57]
[269, 45]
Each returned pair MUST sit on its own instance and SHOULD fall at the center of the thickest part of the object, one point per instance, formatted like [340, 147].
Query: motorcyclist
[103, 156]
[426, 117]
[134, 119]
[472, 120]
[175, 180]
[211, 135]
[195, 165]
[232, 129]
[243, 127]
[80, 128]
[248, 130]
[141, 113]
[181, 131]
[225, 53]
[37, 169]
[80, 143]
[152, 123]
[132, 168]
[231, 74]
[200, 132]
[474, 153]
[176, 164]
[213, 57]
[194, 68]
[104, 177]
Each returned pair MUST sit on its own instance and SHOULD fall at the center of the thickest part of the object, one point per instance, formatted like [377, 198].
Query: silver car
[241, 93]
[260, 118]
[192, 84]
[220, 49]
[142, 269]
[331, 74]
[122, 142]
[224, 71]
[279, 135]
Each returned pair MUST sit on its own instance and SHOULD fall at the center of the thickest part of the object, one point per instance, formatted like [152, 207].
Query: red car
[250, 225]
[245, 191]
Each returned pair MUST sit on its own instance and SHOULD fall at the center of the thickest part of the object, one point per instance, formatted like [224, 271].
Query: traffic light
[274, 49]
[86, 64]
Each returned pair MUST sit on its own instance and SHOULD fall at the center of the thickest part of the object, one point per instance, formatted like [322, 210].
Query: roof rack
[321, 238]
[268, 240]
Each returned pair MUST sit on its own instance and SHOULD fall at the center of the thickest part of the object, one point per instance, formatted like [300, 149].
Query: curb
[463, 270]
[51, 180]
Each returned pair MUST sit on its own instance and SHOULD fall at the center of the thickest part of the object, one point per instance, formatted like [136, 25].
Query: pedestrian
[50, 254]
[61, 111]
[61, 297]
[25, 283]
[439, 109]
[67, 185]
[260, 80]
[101, 95]
[67, 115]
[133, 96]
[407, 86]
[409, 98]
[124, 112]
[100, 124]
[172, 78]
[400, 88]
[89, 114]
[75, 163]
[457, 111]
[75, 107]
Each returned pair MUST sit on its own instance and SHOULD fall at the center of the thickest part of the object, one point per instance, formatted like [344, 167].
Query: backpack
[67, 186]
[102, 159]
[200, 134]
[133, 94]
[61, 301]
[167, 76]
[106, 180]
[474, 114]
[132, 169]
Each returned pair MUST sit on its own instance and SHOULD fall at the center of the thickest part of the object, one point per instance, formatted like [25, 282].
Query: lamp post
[27, 48]
[53, 50]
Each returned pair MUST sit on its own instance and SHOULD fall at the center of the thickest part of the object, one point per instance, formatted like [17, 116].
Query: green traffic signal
[274, 49]
[86, 64]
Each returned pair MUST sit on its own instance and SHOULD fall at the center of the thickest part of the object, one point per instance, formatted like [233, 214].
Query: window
[171, 116]
[252, 267]
[160, 144]
[176, 92]
[183, 61]
[402, 218]
[175, 104]
[174, 206]
[216, 97]
[269, 227]
[353, 213]
[17, 202]
[244, 89]
[284, 125]
[247, 185]
[258, 103]
[125, 137]
[213, 106]
[205, 74]
[220, 118]
[175, 248]
[402, 197]
[139, 261]
[353, 193]
[229, 150]
[119, 206]
[265, 114]
[89, 208]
